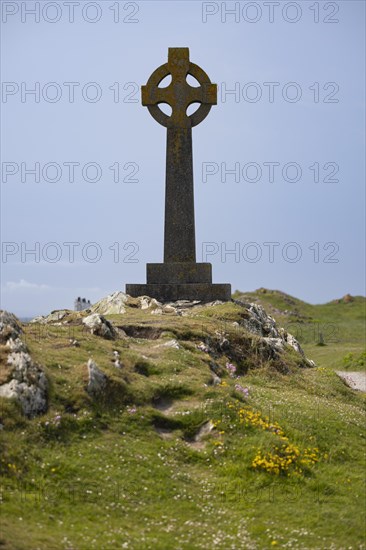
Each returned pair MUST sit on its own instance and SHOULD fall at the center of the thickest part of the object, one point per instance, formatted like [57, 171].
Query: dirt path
[355, 380]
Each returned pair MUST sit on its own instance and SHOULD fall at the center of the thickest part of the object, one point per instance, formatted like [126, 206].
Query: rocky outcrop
[55, 317]
[26, 381]
[347, 298]
[9, 327]
[273, 338]
[100, 326]
[113, 304]
[258, 322]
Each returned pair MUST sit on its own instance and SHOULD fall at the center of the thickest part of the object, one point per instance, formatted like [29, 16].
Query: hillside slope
[180, 426]
[339, 324]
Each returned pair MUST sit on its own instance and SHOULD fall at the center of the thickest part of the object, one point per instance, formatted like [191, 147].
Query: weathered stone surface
[100, 326]
[274, 339]
[27, 383]
[112, 304]
[291, 341]
[9, 326]
[203, 292]
[179, 277]
[355, 380]
[204, 430]
[179, 272]
[169, 344]
[170, 309]
[215, 380]
[275, 343]
[259, 322]
[16, 345]
[55, 317]
[149, 303]
[97, 379]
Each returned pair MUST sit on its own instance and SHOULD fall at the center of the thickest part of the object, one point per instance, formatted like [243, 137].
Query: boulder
[204, 430]
[215, 380]
[100, 326]
[54, 317]
[169, 344]
[27, 382]
[145, 302]
[97, 379]
[169, 309]
[113, 304]
[31, 397]
[9, 326]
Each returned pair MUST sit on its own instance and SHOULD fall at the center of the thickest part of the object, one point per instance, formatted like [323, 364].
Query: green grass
[341, 324]
[121, 473]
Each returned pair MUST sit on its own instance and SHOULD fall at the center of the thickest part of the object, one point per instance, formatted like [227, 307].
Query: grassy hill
[340, 322]
[179, 451]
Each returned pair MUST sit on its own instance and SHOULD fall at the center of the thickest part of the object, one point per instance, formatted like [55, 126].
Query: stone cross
[179, 277]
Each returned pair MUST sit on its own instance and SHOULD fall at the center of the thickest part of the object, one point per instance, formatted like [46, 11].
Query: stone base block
[179, 273]
[205, 292]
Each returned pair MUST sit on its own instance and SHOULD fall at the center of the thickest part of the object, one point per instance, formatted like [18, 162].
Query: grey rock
[204, 430]
[275, 339]
[146, 302]
[55, 317]
[100, 326]
[32, 398]
[112, 304]
[9, 326]
[16, 345]
[275, 343]
[224, 343]
[215, 303]
[172, 344]
[97, 379]
[291, 341]
[28, 383]
[186, 303]
[355, 380]
[215, 380]
[74, 343]
[169, 309]
[38, 319]
[169, 344]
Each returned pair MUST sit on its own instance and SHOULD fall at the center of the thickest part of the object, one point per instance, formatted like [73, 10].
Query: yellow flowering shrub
[286, 459]
[255, 418]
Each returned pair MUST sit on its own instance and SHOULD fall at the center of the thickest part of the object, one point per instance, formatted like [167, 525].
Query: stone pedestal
[173, 281]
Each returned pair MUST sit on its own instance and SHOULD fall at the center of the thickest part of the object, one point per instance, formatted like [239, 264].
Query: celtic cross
[179, 234]
[179, 277]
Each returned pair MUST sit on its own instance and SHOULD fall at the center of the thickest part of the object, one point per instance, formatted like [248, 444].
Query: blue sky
[296, 107]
